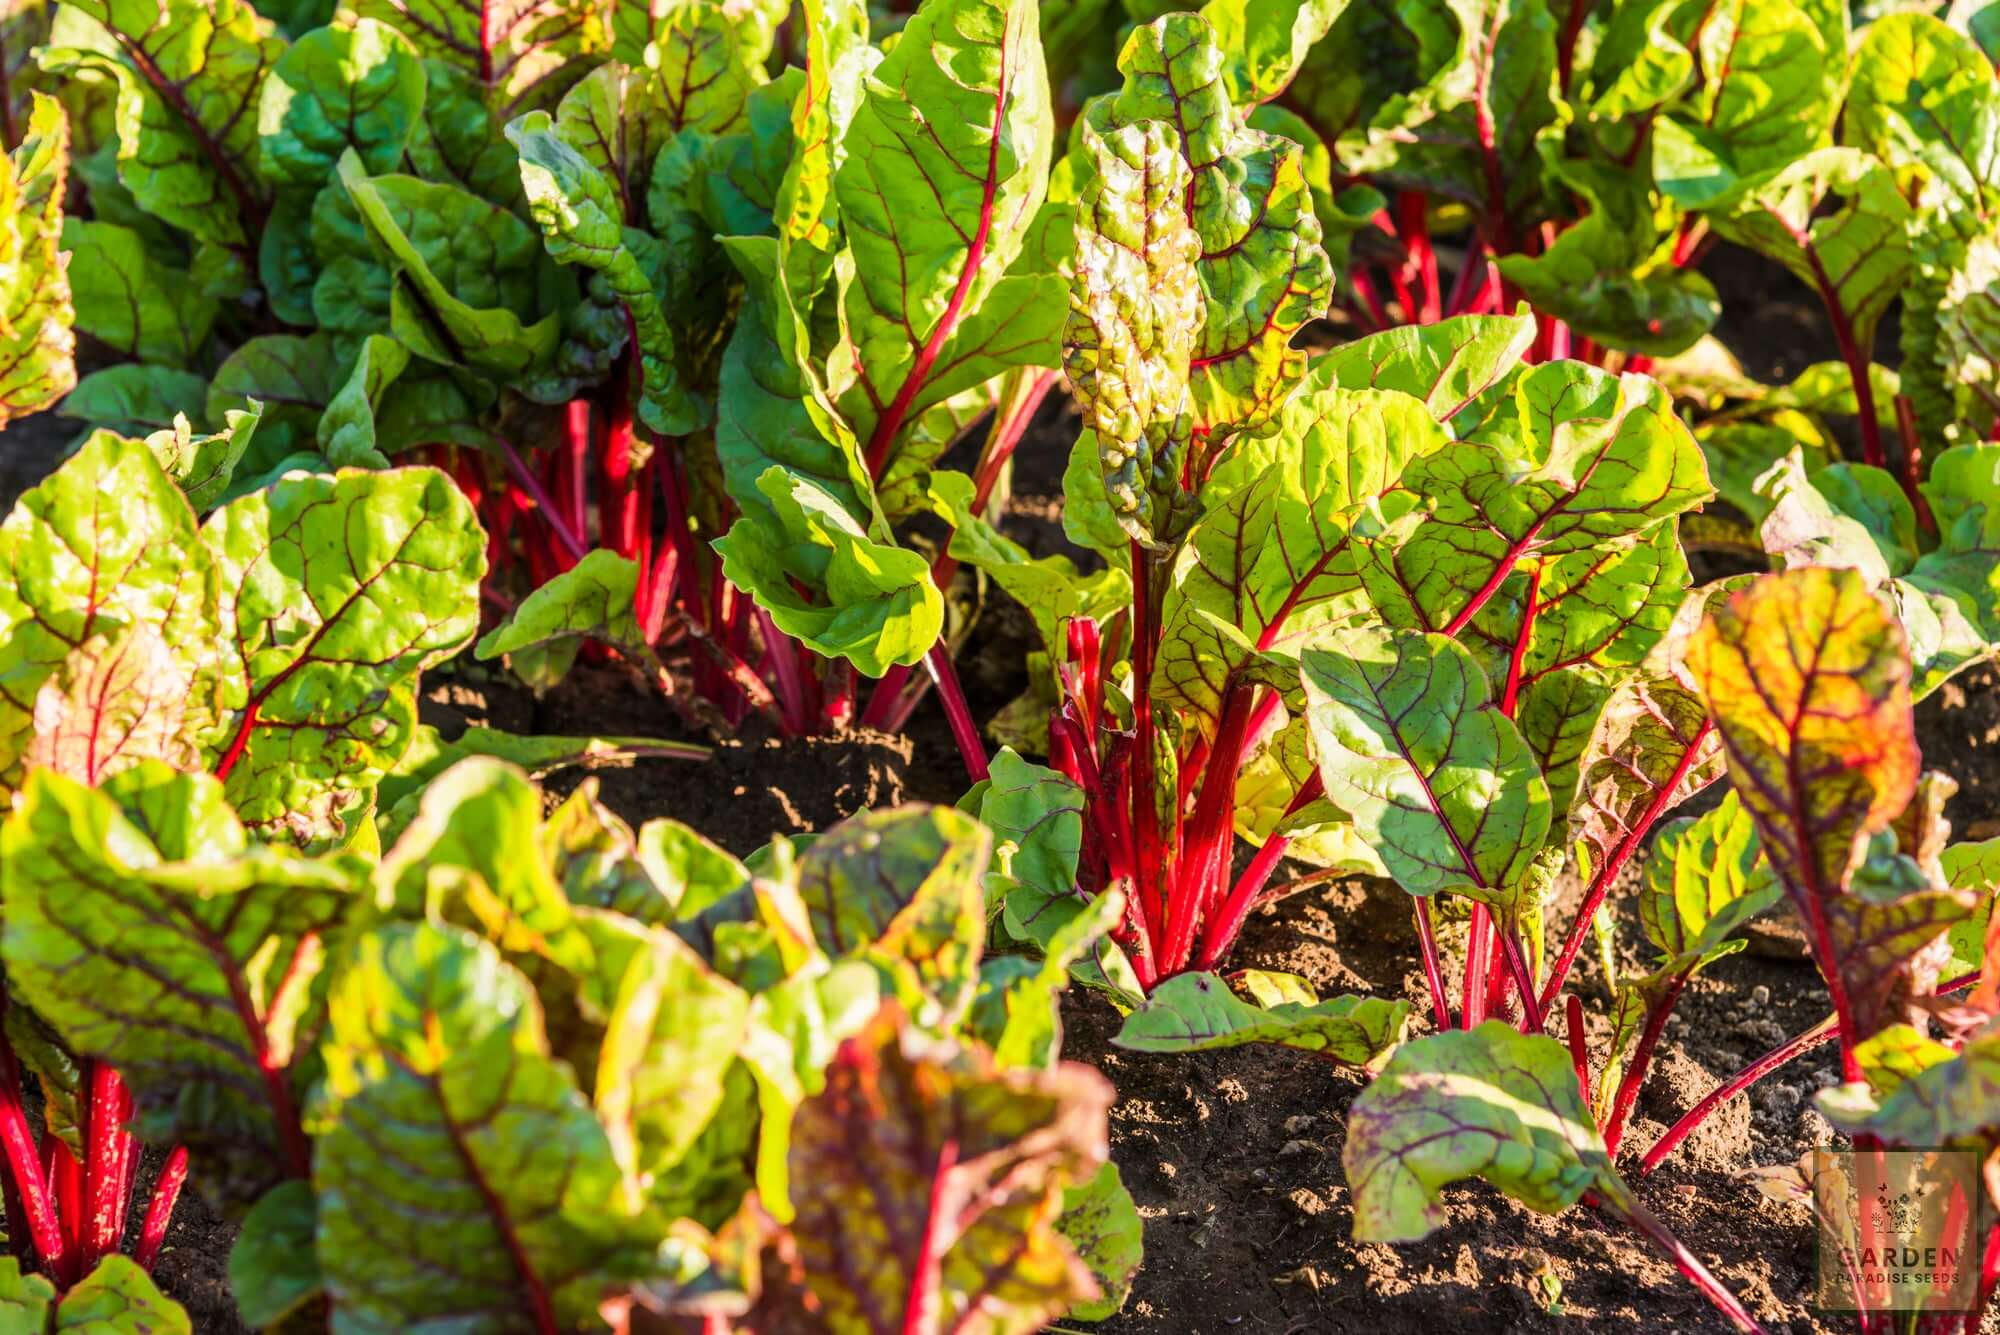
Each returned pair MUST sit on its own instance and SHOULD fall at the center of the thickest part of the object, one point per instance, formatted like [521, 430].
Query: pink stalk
[1642, 1058]
[1691, 1269]
[1913, 463]
[1517, 965]
[783, 659]
[1478, 941]
[577, 425]
[1222, 929]
[103, 1168]
[160, 1209]
[1433, 976]
[1579, 1045]
[963, 730]
[525, 478]
[18, 1139]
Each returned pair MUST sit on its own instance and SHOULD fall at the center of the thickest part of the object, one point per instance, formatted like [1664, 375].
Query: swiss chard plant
[1807, 679]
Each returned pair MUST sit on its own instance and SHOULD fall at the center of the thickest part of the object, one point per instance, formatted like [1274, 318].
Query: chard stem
[1433, 977]
[160, 1209]
[525, 478]
[963, 730]
[1642, 1058]
[24, 1165]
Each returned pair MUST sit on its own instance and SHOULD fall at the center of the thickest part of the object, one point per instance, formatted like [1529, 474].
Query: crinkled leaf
[335, 88]
[1608, 286]
[1037, 814]
[904, 885]
[204, 464]
[461, 1174]
[117, 699]
[1196, 1012]
[1706, 878]
[1438, 782]
[1449, 365]
[130, 300]
[875, 606]
[188, 75]
[1922, 98]
[1947, 1104]
[190, 968]
[337, 592]
[582, 219]
[511, 56]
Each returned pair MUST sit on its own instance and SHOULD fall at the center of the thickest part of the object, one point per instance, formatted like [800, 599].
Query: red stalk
[618, 506]
[160, 1209]
[1820, 1033]
[65, 1179]
[42, 1222]
[1579, 1046]
[1478, 942]
[1461, 287]
[1364, 287]
[1148, 854]
[1222, 929]
[1615, 863]
[1415, 227]
[103, 1167]
[1517, 965]
[963, 730]
[577, 424]
[1851, 351]
[1913, 463]
[782, 656]
[1433, 976]
[525, 478]
[1642, 1057]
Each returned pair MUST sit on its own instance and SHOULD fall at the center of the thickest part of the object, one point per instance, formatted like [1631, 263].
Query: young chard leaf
[1197, 1012]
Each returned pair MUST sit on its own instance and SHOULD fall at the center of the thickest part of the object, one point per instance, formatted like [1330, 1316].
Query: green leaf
[1264, 42]
[347, 430]
[291, 376]
[672, 1034]
[118, 1297]
[1102, 1224]
[510, 59]
[1859, 248]
[911, 1131]
[1017, 1011]
[945, 166]
[132, 399]
[190, 968]
[1440, 784]
[1037, 815]
[1922, 99]
[461, 1175]
[582, 220]
[879, 607]
[461, 280]
[359, 87]
[37, 314]
[1770, 100]
[1196, 1012]
[1269, 567]
[203, 465]
[131, 301]
[1491, 1103]
[25, 1300]
[273, 1269]
[1706, 878]
[339, 590]
[1578, 461]
[1449, 365]
[187, 76]
[1606, 285]
[1951, 1103]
